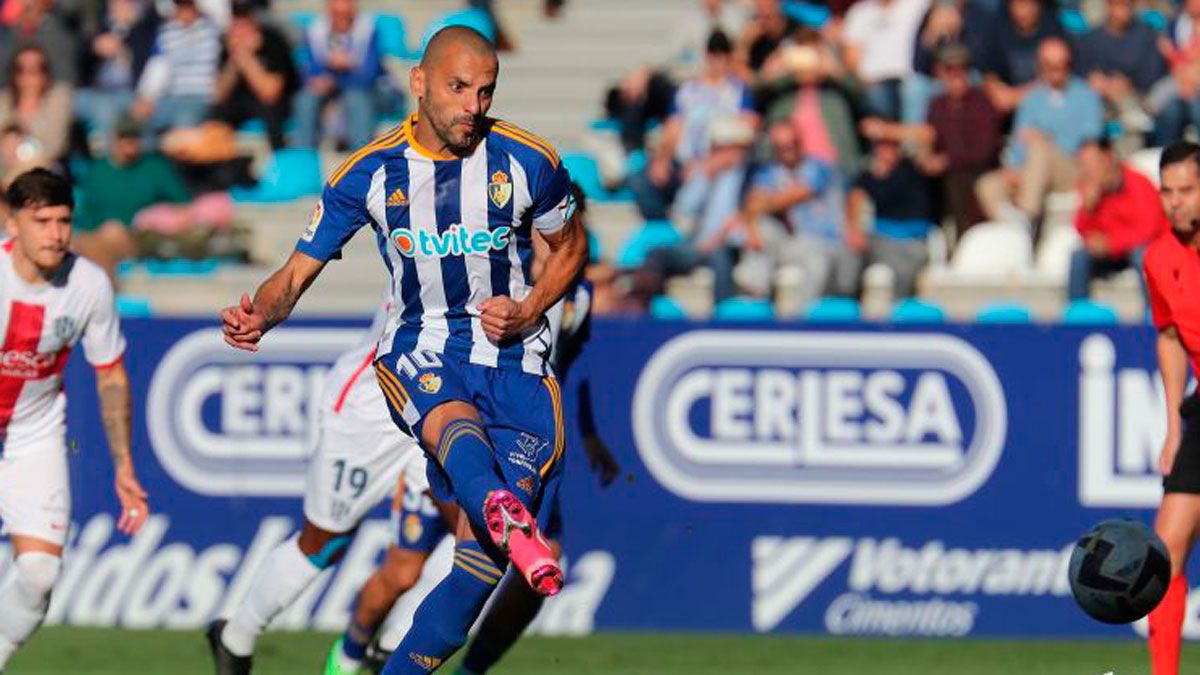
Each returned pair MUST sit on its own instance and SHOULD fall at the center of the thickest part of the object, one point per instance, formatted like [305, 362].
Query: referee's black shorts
[1185, 472]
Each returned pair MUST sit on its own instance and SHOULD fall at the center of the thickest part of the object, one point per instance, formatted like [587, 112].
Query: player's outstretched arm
[1173, 366]
[502, 317]
[245, 324]
[112, 383]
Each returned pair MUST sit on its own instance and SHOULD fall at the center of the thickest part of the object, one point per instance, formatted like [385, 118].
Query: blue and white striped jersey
[452, 232]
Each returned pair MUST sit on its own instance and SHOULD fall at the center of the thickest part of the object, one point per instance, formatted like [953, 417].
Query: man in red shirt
[1172, 267]
[1118, 217]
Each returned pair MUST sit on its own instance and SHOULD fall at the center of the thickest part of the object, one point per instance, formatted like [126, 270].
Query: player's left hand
[134, 508]
[503, 318]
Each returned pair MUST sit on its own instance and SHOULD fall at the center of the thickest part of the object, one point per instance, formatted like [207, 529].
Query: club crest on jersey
[64, 328]
[430, 383]
[315, 221]
[500, 189]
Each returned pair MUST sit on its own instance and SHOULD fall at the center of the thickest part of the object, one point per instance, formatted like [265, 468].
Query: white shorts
[35, 495]
[357, 465]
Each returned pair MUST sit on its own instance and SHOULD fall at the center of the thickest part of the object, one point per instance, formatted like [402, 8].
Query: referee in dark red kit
[1172, 267]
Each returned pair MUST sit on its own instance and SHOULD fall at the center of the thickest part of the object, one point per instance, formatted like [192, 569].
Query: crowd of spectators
[138, 101]
[857, 133]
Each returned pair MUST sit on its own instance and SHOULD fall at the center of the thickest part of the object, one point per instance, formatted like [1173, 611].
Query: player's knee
[37, 572]
[323, 548]
[402, 571]
[441, 419]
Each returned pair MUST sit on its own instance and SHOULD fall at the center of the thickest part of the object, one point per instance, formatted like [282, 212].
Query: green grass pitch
[66, 651]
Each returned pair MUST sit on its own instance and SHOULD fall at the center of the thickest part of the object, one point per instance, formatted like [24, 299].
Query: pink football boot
[514, 530]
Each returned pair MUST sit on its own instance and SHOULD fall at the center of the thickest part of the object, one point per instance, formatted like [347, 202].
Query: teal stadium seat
[301, 20]
[1084, 312]
[1004, 312]
[583, 170]
[744, 308]
[915, 310]
[833, 310]
[665, 308]
[393, 36]
[604, 124]
[595, 250]
[290, 174]
[1154, 18]
[654, 234]
[133, 306]
[471, 18]
[1073, 20]
[807, 13]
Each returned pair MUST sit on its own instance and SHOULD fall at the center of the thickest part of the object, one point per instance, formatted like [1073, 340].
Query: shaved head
[453, 86]
[460, 37]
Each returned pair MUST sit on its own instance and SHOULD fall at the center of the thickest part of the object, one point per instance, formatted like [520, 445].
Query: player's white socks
[24, 599]
[282, 578]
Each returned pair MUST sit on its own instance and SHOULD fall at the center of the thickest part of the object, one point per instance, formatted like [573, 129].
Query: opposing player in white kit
[52, 299]
[360, 458]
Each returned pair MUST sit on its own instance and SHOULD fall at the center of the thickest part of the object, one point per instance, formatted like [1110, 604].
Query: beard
[456, 142]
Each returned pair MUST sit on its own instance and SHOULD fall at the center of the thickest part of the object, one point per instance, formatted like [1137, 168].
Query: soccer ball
[1119, 571]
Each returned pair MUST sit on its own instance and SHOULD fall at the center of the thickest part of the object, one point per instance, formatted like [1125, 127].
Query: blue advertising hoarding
[862, 480]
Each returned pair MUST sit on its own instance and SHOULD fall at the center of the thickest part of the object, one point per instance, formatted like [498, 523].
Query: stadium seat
[1054, 253]
[1004, 312]
[744, 308]
[915, 310]
[301, 20]
[181, 267]
[1084, 312]
[1145, 162]
[291, 173]
[1073, 20]
[833, 310]
[993, 248]
[392, 36]
[635, 162]
[604, 124]
[665, 308]
[471, 18]
[133, 306]
[1154, 18]
[654, 234]
[595, 249]
[806, 13]
[586, 172]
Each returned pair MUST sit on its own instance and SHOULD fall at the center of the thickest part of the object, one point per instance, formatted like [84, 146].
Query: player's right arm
[245, 324]
[340, 212]
[1173, 365]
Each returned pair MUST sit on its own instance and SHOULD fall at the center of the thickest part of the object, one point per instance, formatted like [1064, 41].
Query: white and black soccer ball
[1119, 571]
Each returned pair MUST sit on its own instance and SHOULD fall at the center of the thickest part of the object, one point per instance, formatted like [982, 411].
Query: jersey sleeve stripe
[523, 139]
[354, 158]
[111, 364]
[529, 136]
[388, 140]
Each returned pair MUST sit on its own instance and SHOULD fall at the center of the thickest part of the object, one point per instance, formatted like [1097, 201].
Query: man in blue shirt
[794, 215]
[340, 60]
[1058, 115]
